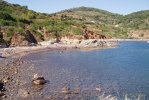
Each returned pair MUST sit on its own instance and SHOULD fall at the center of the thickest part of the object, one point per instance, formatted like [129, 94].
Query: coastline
[65, 44]
[90, 44]
[121, 40]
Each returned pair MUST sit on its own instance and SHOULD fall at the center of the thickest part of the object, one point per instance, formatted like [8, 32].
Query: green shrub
[77, 31]
[10, 31]
[6, 16]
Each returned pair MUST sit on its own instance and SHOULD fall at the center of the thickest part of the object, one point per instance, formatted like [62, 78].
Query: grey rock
[38, 80]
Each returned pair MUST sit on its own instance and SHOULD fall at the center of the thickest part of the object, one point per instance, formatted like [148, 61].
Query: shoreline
[73, 44]
[121, 40]
[90, 44]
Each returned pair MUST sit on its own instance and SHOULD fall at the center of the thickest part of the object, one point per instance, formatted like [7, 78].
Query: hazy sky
[115, 6]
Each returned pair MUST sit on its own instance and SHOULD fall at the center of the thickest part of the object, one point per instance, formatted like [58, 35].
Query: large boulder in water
[23, 39]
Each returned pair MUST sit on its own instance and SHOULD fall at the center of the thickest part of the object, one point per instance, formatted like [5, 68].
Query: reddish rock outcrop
[23, 39]
[46, 34]
[18, 40]
[91, 35]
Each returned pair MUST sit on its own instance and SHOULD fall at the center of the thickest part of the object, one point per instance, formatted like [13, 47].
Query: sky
[116, 6]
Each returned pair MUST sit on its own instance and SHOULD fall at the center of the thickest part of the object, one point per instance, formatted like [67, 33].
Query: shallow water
[121, 71]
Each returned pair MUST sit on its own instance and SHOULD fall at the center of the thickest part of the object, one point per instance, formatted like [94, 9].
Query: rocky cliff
[20, 39]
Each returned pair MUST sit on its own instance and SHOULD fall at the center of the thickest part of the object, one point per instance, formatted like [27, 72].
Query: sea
[121, 72]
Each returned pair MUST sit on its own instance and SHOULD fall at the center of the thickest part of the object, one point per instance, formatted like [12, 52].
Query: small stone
[5, 80]
[23, 93]
[66, 90]
[2, 95]
[39, 82]
[98, 88]
[77, 90]
[94, 41]
[67, 97]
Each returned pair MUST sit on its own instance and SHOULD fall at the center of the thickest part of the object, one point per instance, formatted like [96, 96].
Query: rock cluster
[96, 43]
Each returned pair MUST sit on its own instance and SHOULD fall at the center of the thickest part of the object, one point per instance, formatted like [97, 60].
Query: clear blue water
[118, 71]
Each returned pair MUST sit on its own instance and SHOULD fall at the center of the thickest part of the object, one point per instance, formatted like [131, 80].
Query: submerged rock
[38, 80]
[7, 79]
[77, 90]
[23, 93]
[66, 90]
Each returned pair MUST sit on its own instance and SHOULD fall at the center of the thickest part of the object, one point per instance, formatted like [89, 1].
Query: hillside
[16, 19]
[137, 20]
[138, 24]
[100, 21]
[91, 14]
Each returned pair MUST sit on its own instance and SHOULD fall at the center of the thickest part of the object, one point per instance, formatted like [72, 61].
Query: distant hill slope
[15, 18]
[112, 24]
[92, 14]
[138, 20]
